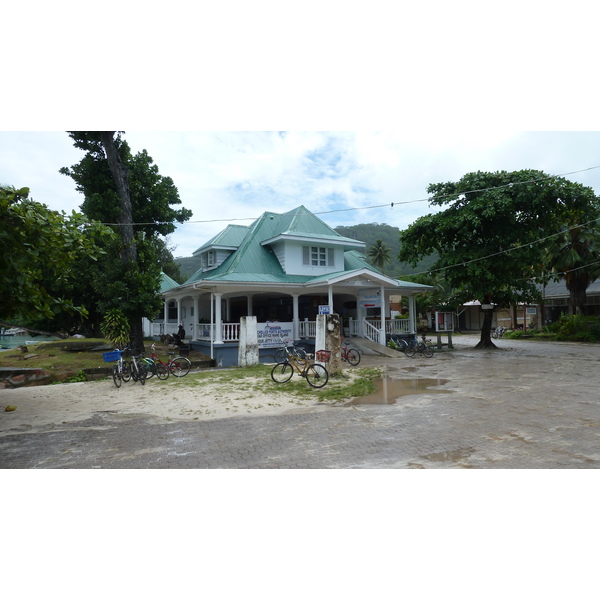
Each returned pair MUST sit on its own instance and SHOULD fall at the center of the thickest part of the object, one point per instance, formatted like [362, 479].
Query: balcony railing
[230, 332]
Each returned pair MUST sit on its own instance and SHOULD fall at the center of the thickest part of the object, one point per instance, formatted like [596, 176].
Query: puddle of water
[388, 390]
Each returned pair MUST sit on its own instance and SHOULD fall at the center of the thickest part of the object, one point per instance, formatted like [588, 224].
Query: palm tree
[575, 256]
[379, 254]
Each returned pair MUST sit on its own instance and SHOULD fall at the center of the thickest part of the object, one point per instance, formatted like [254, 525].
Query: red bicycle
[350, 355]
[179, 366]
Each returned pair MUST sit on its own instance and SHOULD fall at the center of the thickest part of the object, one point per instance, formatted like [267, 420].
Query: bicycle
[350, 355]
[425, 348]
[315, 374]
[179, 366]
[118, 367]
[155, 367]
[282, 352]
[139, 372]
[498, 332]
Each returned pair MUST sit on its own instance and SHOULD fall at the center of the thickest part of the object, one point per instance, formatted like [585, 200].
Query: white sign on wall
[369, 300]
[272, 335]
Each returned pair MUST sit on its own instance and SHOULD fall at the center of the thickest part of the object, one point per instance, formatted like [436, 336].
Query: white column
[331, 299]
[296, 317]
[383, 314]
[218, 319]
[166, 319]
[178, 311]
[195, 319]
[412, 314]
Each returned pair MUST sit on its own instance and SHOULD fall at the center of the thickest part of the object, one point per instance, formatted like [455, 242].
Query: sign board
[324, 309]
[532, 310]
[444, 321]
[369, 300]
[275, 334]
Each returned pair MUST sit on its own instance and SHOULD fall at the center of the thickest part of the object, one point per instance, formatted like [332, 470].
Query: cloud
[222, 176]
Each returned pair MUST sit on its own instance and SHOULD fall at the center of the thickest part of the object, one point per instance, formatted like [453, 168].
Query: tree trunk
[486, 330]
[120, 175]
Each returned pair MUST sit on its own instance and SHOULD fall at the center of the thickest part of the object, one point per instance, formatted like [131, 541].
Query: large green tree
[490, 235]
[127, 192]
[575, 257]
[38, 250]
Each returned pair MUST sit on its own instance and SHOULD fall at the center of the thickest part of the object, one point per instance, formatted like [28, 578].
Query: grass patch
[349, 383]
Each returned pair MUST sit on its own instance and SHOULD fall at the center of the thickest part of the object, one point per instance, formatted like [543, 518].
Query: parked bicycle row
[130, 367]
[411, 346]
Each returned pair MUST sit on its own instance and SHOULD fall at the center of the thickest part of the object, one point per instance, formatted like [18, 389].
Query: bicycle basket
[323, 355]
[112, 356]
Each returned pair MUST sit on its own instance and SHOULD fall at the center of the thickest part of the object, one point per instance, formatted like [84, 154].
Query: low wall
[13, 377]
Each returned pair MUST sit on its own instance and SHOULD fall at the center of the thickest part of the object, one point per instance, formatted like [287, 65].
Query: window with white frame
[317, 256]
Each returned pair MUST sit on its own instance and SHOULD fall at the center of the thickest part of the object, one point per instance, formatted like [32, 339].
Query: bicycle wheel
[427, 351]
[280, 355]
[142, 373]
[116, 375]
[299, 352]
[317, 375]
[353, 357]
[126, 371]
[282, 372]
[180, 366]
[410, 350]
[162, 370]
[150, 367]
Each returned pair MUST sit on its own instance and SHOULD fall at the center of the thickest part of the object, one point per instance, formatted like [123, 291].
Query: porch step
[366, 346]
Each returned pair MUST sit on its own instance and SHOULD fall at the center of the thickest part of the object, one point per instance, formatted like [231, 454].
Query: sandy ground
[523, 366]
[171, 400]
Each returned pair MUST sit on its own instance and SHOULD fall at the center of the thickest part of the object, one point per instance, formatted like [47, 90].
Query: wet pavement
[527, 405]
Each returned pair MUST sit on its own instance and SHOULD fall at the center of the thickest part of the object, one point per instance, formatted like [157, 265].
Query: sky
[345, 177]
[377, 101]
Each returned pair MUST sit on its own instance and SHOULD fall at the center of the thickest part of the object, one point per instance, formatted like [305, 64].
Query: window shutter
[305, 255]
[330, 260]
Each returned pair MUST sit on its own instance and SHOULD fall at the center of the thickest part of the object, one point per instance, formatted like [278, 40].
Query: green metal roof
[231, 237]
[253, 262]
[166, 283]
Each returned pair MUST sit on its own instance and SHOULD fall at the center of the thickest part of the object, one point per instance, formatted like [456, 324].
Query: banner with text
[273, 335]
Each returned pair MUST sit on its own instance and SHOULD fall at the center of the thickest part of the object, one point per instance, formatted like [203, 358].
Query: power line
[390, 204]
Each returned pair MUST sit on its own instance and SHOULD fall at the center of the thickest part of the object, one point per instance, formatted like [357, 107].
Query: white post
[196, 313]
[295, 318]
[383, 315]
[330, 290]
[412, 314]
[248, 346]
[218, 319]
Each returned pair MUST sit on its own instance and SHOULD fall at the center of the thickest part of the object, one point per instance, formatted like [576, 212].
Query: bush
[578, 328]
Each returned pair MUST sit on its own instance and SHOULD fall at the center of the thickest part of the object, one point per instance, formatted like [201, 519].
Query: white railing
[231, 332]
[308, 329]
[370, 332]
[395, 326]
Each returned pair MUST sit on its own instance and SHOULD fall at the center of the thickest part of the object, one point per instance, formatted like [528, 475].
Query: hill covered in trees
[369, 233]
[365, 232]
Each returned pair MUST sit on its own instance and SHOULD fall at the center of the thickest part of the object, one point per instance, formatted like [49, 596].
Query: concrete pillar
[249, 307]
[248, 346]
[328, 338]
